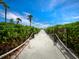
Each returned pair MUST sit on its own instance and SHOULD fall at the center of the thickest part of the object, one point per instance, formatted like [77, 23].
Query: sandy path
[41, 47]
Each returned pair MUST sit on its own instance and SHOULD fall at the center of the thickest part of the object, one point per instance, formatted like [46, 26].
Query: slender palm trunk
[17, 22]
[5, 15]
[30, 22]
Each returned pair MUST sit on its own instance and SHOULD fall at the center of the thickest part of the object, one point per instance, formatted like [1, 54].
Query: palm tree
[18, 20]
[5, 6]
[30, 18]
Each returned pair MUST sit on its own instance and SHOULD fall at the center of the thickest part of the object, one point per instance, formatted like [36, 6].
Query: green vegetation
[12, 35]
[68, 33]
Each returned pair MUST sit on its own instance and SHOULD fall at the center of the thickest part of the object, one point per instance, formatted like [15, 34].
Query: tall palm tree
[18, 20]
[30, 18]
[6, 7]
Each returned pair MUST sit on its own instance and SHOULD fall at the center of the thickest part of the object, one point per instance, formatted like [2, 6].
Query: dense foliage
[12, 35]
[68, 33]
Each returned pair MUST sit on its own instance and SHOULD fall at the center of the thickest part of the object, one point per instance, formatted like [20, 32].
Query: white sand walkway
[41, 48]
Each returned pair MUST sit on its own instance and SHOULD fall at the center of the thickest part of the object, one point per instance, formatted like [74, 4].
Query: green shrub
[13, 35]
[68, 33]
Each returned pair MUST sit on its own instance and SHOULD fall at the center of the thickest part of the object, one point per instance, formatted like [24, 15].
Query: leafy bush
[68, 33]
[12, 35]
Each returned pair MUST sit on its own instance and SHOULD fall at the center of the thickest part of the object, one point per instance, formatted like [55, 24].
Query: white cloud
[40, 25]
[52, 4]
[75, 17]
[65, 22]
[25, 21]
[69, 19]
[14, 15]
[9, 16]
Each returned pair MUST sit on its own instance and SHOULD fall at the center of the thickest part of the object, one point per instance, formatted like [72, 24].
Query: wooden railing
[15, 49]
[67, 51]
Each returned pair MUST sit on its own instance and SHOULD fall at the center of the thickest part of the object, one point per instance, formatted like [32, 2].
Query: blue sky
[45, 12]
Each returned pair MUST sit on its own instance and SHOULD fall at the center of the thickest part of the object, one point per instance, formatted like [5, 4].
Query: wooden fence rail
[70, 54]
[15, 49]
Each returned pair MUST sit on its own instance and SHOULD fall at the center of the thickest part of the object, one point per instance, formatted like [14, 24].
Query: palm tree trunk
[5, 15]
[17, 22]
[30, 22]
